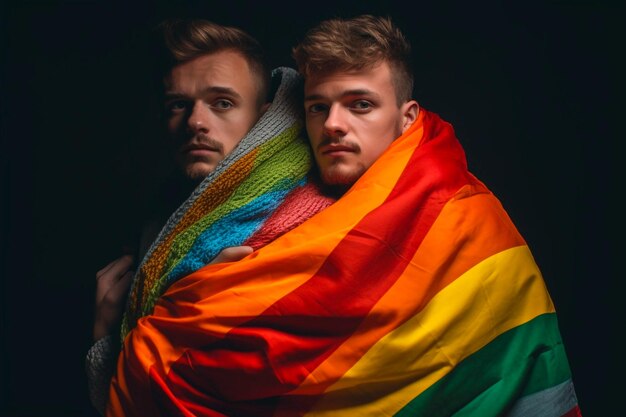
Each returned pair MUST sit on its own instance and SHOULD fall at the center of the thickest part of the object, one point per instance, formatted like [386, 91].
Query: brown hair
[354, 44]
[183, 40]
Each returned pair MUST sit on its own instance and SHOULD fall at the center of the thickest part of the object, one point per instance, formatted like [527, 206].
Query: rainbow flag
[412, 295]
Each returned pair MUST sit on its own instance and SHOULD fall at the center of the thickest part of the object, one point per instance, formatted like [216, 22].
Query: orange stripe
[205, 203]
[217, 298]
[432, 268]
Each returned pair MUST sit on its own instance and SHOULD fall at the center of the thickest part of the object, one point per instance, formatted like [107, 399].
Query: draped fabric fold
[413, 294]
[261, 190]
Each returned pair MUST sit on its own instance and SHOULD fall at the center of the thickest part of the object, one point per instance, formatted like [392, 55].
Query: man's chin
[196, 172]
[340, 177]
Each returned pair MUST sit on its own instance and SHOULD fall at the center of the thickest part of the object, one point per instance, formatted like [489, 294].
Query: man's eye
[176, 106]
[223, 104]
[362, 105]
[317, 108]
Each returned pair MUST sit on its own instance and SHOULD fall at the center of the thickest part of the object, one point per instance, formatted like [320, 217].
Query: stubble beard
[196, 168]
[339, 175]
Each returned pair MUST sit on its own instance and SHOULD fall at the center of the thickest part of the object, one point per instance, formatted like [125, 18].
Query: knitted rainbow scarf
[257, 193]
[412, 295]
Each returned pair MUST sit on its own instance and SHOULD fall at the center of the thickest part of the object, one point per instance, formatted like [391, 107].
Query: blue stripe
[230, 230]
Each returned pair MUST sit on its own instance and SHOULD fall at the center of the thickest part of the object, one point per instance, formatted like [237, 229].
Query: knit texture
[99, 365]
[257, 193]
[413, 295]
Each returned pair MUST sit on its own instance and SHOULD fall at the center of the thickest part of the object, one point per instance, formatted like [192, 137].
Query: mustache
[203, 141]
[327, 141]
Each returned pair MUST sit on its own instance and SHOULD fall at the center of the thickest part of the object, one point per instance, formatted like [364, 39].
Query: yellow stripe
[502, 292]
[218, 297]
[433, 267]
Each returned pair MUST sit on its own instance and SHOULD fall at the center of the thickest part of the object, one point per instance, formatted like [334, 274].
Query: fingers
[110, 299]
[120, 289]
[113, 282]
[114, 277]
[117, 268]
[106, 268]
[232, 254]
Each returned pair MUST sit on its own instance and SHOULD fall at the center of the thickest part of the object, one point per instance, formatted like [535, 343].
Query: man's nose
[198, 120]
[336, 124]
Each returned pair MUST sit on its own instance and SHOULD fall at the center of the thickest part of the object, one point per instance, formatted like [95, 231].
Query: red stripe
[272, 354]
[574, 412]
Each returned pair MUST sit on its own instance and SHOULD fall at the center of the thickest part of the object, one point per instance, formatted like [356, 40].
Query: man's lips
[199, 149]
[337, 150]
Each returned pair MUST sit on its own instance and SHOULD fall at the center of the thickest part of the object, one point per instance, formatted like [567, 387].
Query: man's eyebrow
[215, 89]
[347, 93]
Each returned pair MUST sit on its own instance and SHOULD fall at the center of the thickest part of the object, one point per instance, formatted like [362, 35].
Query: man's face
[351, 118]
[211, 102]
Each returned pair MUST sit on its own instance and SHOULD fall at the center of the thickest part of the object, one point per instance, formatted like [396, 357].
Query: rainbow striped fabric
[412, 295]
[260, 191]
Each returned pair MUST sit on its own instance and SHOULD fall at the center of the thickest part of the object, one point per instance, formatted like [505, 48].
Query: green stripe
[522, 361]
[272, 171]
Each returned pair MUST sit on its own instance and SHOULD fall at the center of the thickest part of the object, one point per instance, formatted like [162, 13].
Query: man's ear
[409, 110]
[265, 107]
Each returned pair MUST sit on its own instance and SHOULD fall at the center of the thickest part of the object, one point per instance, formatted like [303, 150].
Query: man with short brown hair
[508, 357]
[243, 176]
[357, 93]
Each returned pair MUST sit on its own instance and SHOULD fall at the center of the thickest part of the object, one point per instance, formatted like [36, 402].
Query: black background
[532, 91]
